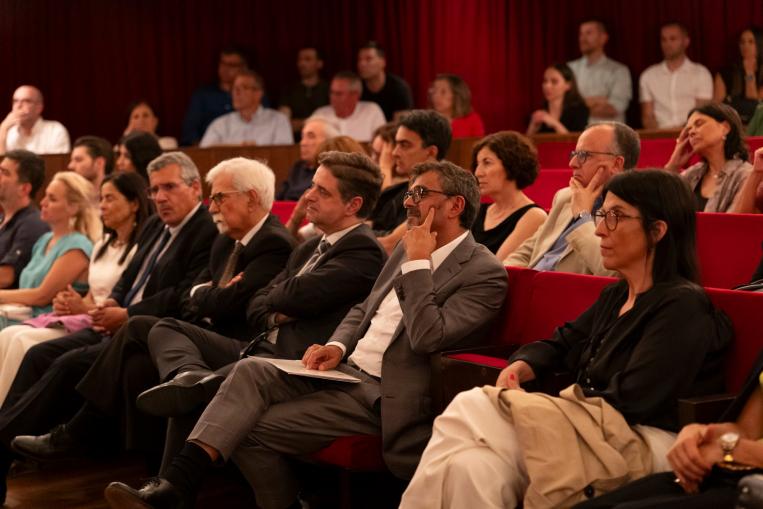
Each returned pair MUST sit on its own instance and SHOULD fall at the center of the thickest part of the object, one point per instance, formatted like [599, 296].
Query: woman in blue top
[61, 256]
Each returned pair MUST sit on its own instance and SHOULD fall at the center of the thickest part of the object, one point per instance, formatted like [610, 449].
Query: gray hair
[626, 142]
[247, 175]
[356, 85]
[188, 170]
[455, 181]
[330, 129]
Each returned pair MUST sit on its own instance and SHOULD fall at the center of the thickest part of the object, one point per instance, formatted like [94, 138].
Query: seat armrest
[703, 409]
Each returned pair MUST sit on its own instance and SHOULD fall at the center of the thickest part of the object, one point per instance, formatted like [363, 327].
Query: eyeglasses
[169, 187]
[219, 198]
[419, 192]
[583, 155]
[610, 218]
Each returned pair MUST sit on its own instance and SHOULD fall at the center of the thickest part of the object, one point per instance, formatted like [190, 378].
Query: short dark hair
[97, 147]
[662, 196]
[318, 52]
[598, 21]
[432, 128]
[626, 142]
[143, 148]
[677, 24]
[358, 175]
[517, 153]
[253, 74]
[234, 50]
[734, 146]
[374, 46]
[386, 132]
[30, 170]
[455, 181]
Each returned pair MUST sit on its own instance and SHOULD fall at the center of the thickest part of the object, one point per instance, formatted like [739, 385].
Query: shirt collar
[334, 237]
[440, 254]
[175, 229]
[251, 233]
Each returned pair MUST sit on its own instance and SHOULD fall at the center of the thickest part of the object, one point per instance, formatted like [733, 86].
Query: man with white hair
[251, 249]
[355, 118]
[24, 127]
[315, 131]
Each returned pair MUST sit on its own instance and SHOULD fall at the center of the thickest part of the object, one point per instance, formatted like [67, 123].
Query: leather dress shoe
[157, 493]
[58, 444]
[180, 395]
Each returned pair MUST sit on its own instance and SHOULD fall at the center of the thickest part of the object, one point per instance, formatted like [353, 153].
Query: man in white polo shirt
[24, 127]
[355, 118]
[670, 89]
[251, 123]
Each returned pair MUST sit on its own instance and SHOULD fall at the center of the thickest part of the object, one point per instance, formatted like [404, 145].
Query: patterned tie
[310, 265]
[230, 265]
[149, 267]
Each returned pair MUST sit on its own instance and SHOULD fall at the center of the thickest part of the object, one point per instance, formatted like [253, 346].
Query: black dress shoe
[180, 395]
[58, 444]
[157, 493]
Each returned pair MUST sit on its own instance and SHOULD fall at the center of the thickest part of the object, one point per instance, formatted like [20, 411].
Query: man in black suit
[252, 248]
[172, 249]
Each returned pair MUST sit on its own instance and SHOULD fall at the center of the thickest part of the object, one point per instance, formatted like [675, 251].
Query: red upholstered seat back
[516, 306]
[555, 154]
[283, 209]
[754, 143]
[544, 188]
[559, 297]
[728, 247]
[656, 152]
[746, 312]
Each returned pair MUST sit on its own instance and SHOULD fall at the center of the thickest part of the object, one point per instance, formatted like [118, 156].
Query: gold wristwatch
[728, 442]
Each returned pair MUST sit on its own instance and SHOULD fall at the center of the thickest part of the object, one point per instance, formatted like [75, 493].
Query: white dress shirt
[47, 137]
[361, 125]
[675, 93]
[267, 127]
[370, 349]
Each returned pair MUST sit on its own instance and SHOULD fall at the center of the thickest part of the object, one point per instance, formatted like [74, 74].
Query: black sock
[188, 469]
[89, 425]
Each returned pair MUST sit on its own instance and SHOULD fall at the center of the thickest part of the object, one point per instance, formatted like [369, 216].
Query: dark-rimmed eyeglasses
[419, 192]
[611, 218]
[583, 155]
[219, 198]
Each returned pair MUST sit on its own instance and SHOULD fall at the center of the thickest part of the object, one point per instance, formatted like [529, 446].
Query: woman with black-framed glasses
[651, 338]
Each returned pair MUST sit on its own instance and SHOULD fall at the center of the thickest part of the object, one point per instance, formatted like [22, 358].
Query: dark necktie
[230, 265]
[160, 244]
[320, 250]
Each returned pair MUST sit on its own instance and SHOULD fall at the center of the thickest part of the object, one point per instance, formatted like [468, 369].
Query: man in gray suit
[439, 290]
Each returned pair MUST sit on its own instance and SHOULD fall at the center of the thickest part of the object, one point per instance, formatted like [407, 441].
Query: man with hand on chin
[566, 242]
[439, 290]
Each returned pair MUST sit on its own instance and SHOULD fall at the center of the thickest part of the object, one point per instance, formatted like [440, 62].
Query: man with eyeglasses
[251, 123]
[566, 241]
[439, 290]
[173, 248]
[24, 127]
[252, 248]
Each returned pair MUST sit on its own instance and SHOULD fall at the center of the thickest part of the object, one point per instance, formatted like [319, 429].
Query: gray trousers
[260, 415]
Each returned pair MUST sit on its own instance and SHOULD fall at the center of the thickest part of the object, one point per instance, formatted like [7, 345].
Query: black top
[389, 211]
[17, 237]
[700, 200]
[670, 345]
[574, 118]
[394, 96]
[743, 105]
[494, 237]
[300, 178]
[303, 100]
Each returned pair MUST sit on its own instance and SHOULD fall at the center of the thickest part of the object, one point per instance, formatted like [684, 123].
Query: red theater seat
[555, 154]
[728, 247]
[283, 209]
[544, 188]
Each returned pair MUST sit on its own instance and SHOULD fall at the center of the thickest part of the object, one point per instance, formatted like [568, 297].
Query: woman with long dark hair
[741, 84]
[564, 109]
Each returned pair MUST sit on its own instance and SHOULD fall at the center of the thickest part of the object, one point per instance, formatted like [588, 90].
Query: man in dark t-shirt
[21, 176]
[390, 92]
[309, 93]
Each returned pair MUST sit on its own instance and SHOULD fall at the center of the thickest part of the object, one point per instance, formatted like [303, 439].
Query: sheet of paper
[295, 367]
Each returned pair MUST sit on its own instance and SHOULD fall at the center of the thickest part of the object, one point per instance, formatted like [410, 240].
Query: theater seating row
[654, 152]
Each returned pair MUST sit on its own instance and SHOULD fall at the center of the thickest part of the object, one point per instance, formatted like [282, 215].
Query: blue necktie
[149, 267]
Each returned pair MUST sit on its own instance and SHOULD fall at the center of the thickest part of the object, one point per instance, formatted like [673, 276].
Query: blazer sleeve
[432, 326]
[586, 245]
[219, 304]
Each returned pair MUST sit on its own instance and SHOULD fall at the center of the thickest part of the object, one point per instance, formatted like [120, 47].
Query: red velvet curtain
[92, 57]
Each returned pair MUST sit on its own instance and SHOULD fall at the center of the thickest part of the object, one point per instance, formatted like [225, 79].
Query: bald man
[24, 127]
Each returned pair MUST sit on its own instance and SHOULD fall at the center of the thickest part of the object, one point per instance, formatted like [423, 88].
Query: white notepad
[293, 367]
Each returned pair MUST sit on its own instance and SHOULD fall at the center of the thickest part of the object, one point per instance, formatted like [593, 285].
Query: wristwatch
[728, 442]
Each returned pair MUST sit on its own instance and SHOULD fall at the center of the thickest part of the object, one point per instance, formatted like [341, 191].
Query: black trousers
[659, 491]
